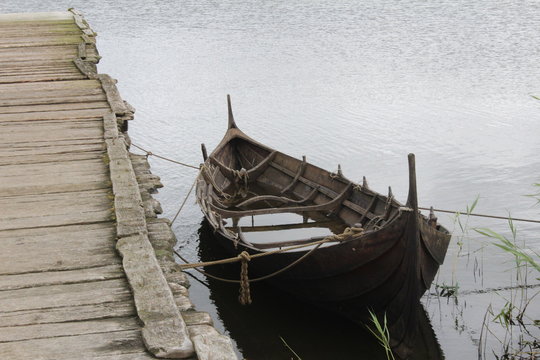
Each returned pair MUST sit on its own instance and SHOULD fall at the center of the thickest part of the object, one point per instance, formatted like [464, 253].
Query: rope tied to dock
[184, 202]
[149, 153]
[245, 296]
[356, 187]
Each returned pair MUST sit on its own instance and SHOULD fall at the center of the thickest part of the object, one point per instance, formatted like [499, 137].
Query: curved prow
[232, 124]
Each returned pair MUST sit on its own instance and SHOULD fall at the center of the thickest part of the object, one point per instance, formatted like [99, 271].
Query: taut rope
[355, 186]
[482, 215]
[244, 257]
[149, 153]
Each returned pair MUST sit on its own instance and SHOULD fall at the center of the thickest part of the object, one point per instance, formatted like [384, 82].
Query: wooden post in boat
[412, 200]
[412, 230]
[232, 124]
[364, 183]
[432, 218]
[339, 172]
[204, 153]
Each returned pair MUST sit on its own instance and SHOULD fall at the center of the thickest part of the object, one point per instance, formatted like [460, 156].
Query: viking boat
[379, 254]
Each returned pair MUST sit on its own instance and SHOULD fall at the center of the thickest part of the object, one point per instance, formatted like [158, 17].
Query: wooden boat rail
[330, 205]
[330, 193]
[367, 213]
[282, 199]
[299, 173]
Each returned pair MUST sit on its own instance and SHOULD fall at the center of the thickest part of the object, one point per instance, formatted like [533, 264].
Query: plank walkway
[70, 205]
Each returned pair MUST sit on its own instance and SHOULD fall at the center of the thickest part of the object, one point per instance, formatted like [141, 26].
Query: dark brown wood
[296, 177]
[386, 267]
[328, 206]
[204, 153]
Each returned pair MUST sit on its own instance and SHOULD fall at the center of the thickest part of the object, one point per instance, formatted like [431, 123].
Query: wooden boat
[383, 255]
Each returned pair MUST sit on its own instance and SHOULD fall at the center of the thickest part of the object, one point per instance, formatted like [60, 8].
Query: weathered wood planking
[41, 158]
[44, 297]
[51, 130]
[57, 248]
[61, 314]
[54, 108]
[68, 192]
[89, 113]
[107, 345]
[56, 209]
[40, 331]
[28, 179]
[43, 278]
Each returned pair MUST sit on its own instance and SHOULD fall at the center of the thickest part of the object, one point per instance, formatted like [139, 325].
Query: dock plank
[44, 297]
[36, 159]
[55, 115]
[65, 146]
[53, 108]
[51, 330]
[112, 345]
[82, 246]
[44, 278]
[102, 310]
[51, 130]
[29, 211]
[41, 77]
[52, 98]
[33, 40]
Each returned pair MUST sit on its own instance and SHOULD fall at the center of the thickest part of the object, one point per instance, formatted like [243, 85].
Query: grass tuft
[381, 333]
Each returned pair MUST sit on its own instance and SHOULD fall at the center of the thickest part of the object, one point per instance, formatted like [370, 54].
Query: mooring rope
[356, 186]
[235, 259]
[482, 215]
[231, 260]
[184, 202]
[149, 153]
[245, 257]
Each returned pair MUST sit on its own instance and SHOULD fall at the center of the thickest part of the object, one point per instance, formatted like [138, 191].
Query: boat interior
[254, 189]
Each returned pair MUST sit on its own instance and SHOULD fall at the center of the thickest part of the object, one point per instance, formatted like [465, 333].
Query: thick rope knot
[244, 256]
[245, 297]
[347, 233]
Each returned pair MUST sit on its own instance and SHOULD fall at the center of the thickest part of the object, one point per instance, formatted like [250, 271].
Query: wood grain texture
[103, 310]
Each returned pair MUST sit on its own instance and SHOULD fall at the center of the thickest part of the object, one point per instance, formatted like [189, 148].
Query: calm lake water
[360, 83]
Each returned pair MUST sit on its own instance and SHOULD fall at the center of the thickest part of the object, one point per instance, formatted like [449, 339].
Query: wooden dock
[79, 233]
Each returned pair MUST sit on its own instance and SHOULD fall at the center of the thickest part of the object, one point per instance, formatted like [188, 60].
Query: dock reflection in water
[313, 333]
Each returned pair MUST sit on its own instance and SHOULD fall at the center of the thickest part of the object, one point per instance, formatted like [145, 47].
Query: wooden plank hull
[386, 264]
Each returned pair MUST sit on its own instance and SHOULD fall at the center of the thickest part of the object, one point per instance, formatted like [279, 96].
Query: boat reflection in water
[275, 317]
